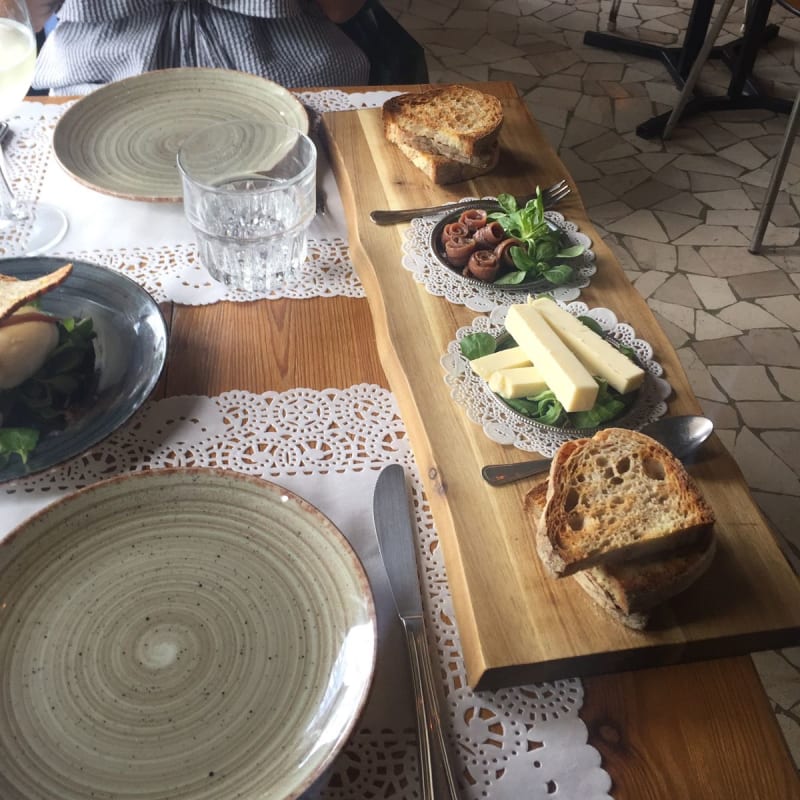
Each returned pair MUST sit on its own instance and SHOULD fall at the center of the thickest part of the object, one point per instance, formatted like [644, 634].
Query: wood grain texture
[678, 732]
[517, 624]
[272, 346]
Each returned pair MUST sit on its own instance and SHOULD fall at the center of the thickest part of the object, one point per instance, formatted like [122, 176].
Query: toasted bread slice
[629, 591]
[617, 496]
[15, 293]
[457, 122]
[443, 170]
[637, 587]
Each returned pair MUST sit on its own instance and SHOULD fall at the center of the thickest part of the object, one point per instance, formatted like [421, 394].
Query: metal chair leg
[612, 14]
[777, 176]
[694, 72]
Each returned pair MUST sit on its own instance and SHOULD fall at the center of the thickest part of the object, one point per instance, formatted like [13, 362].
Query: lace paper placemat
[525, 743]
[440, 281]
[152, 242]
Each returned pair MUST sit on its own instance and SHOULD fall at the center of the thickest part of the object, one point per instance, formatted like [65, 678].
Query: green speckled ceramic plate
[130, 353]
[123, 138]
[179, 635]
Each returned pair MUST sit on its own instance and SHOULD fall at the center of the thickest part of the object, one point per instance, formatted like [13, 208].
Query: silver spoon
[681, 435]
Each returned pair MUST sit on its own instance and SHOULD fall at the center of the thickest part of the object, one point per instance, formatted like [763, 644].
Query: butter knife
[398, 550]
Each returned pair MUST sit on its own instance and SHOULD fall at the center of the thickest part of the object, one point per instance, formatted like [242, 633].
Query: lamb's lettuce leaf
[17, 441]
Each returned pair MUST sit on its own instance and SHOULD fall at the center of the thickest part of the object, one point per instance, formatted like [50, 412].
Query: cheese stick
[502, 359]
[595, 353]
[568, 379]
[517, 382]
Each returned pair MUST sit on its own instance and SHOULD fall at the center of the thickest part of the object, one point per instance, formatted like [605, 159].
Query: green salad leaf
[49, 399]
[541, 252]
[475, 345]
[17, 441]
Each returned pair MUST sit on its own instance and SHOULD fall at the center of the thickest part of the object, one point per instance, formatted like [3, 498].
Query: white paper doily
[443, 282]
[525, 743]
[505, 426]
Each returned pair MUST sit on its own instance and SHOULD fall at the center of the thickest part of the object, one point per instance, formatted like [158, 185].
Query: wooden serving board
[517, 624]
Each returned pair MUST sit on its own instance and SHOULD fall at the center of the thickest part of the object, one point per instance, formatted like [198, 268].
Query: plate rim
[114, 87]
[358, 569]
[154, 378]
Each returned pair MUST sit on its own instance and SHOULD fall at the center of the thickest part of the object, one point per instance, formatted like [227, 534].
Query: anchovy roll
[490, 235]
[459, 249]
[483, 265]
[473, 218]
[502, 251]
[454, 229]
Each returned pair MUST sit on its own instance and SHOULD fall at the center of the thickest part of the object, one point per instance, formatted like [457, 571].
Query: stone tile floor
[677, 214]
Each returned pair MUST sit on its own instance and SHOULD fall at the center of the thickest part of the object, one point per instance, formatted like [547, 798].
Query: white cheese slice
[568, 379]
[517, 382]
[596, 354]
[502, 359]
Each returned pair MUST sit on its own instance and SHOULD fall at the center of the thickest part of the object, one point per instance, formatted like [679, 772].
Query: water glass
[249, 195]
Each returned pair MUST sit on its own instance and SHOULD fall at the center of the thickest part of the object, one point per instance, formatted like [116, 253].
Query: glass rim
[303, 173]
[21, 6]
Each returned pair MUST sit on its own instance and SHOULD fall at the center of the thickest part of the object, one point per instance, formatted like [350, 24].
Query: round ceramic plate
[123, 138]
[130, 351]
[179, 635]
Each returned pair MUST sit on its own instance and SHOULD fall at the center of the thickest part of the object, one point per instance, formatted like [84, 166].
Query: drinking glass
[40, 226]
[249, 195]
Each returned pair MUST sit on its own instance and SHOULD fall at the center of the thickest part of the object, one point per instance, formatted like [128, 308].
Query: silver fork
[552, 195]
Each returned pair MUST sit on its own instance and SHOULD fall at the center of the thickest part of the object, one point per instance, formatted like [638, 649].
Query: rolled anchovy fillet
[459, 249]
[454, 229]
[483, 265]
[473, 218]
[502, 251]
[490, 235]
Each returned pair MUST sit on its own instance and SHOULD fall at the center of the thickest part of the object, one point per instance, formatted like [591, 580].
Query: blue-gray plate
[130, 351]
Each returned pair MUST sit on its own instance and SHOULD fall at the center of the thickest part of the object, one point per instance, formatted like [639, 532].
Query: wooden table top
[696, 730]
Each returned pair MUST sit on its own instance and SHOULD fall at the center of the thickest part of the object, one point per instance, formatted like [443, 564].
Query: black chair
[395, 56]
[792, 125]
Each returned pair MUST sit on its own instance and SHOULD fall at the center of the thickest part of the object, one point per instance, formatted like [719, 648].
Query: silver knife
[390, 509]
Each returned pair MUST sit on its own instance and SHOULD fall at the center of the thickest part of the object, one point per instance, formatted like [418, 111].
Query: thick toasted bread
[443, 170]
[637, 587]
[457, 122]
[629, 591]
[617, 496]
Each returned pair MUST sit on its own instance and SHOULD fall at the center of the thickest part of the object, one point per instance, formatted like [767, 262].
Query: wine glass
[42, 226]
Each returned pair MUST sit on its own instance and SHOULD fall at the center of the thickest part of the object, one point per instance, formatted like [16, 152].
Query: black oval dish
[437, 248]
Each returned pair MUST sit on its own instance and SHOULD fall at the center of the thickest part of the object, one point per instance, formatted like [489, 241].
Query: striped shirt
[288, 41]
